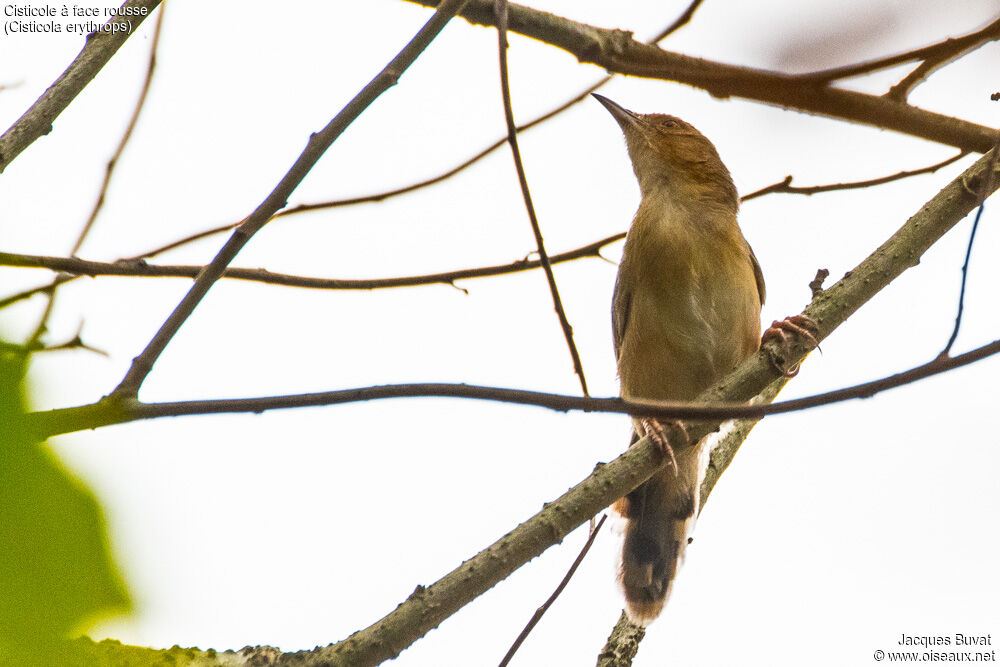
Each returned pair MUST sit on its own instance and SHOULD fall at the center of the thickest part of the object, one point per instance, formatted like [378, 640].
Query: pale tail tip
[643, 613]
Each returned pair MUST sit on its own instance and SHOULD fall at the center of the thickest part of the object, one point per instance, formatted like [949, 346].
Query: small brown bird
[686, 312]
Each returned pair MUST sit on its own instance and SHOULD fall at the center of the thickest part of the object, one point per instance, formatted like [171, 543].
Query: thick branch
[100, 46]
[618, 52]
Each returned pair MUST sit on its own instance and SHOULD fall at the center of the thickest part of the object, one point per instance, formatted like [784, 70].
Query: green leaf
[56, 574]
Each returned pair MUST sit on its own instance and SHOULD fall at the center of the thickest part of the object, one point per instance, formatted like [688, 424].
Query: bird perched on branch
[686, 312]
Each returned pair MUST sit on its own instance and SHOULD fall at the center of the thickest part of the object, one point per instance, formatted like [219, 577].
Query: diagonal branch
[317, 145]
[537, 616]
[618, 52]
[109, 170]
[100, 47]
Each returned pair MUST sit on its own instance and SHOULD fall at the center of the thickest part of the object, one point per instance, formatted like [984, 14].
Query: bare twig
[139, 268]
[136, 112]
[317, 145]
[500, 8]
[786, 187]
[74, 343]
[939, 53]
[983, 194]
[105, 413]
[537, 616]
[100, 46]
[678, 23]
[41, 289]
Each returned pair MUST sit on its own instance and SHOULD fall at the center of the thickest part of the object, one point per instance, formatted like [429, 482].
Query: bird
[685, 312]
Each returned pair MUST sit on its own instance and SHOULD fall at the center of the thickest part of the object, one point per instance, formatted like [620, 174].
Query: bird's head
[669, 153]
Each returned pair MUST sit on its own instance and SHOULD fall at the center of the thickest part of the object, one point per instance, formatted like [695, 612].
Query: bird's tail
[659, 518]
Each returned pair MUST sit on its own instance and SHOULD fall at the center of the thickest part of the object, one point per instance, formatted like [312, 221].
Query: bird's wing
[757, 274]
[621, 305]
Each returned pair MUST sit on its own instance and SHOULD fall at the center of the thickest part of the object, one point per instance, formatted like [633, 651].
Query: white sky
[834, 532]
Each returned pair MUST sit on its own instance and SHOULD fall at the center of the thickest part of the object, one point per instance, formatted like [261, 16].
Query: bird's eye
[668, 123]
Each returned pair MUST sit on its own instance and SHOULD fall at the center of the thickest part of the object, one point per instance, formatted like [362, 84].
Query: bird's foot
[657, 429]
[799, 325]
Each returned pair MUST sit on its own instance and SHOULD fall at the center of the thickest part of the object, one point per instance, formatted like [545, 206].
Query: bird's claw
[656, 429]
[778, 331]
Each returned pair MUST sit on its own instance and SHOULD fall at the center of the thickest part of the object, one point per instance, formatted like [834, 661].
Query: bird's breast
[694, 308]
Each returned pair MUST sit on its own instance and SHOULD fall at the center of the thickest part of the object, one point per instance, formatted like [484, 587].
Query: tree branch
[119, 410]
[935, 54]
[139, 268]
[109, 170]
[617, 51]
[786, 187]
[537, 616]
[100, 46]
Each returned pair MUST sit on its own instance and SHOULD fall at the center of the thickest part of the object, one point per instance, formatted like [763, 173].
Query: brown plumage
[686, 312]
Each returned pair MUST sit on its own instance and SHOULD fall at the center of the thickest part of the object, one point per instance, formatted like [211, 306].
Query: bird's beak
[627, 119]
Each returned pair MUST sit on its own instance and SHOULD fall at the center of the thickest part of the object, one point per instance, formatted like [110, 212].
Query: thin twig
[136, 112]
[104, 413]
[317, 145]
[41, 289]
[985, 190]
[74, 343]
[944, 50]
[786, 187]
[500, 8]
[537, 616]
[139, 268]
[678, 23]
